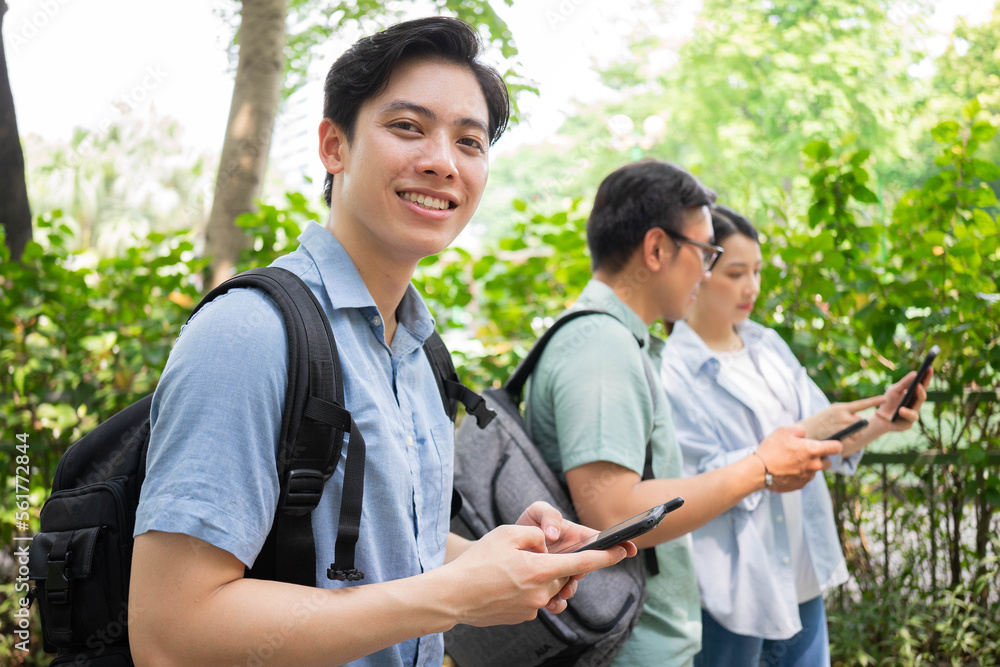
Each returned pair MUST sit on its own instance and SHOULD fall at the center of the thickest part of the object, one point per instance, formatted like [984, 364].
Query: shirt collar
[600, 296]
[346, 289]
[688, 346]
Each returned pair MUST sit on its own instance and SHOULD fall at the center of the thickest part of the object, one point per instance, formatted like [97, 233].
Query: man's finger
[547, 517]
[827, 447]
[796, 430]
[525, 538]
[587, 561]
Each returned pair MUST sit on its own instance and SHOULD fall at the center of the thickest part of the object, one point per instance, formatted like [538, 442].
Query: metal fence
[922, 520]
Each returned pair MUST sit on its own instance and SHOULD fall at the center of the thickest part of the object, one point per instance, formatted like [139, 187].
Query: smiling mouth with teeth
[432, 203]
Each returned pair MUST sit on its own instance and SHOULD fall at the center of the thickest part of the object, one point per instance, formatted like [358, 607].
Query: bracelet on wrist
[768, 477]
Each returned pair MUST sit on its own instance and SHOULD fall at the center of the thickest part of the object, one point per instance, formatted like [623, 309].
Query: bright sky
[80, 62]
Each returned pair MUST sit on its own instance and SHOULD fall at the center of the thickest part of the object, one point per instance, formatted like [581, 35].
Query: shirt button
[779, 518]
[376, 321]
[785, 560]
[409, 441]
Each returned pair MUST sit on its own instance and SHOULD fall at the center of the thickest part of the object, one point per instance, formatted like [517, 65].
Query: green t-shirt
[589, 400]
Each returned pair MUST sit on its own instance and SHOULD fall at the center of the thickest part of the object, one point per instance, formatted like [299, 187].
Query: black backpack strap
[313, 424]
[515, 386]
[451, 388]
[649, 553]
[515, 383]
[58, 589]
[454, 392]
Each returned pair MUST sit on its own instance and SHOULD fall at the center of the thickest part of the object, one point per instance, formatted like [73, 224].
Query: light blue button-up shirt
[746, 588]
[217, 416]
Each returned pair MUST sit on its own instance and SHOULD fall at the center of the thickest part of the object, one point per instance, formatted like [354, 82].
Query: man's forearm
[605, 494]
[455, 547]
[176, 619]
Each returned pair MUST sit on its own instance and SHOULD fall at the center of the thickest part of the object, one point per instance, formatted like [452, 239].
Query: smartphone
[626, 530]
[911, 392]
[849, 431]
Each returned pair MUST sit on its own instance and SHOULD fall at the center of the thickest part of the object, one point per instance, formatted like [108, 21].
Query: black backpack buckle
[301, 491]
[56, 581]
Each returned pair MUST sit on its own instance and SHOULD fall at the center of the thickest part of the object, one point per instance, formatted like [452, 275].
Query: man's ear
[657, 249]
[333, 146]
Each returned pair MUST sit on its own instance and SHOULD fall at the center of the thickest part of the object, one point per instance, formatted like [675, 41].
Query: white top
[771, 388]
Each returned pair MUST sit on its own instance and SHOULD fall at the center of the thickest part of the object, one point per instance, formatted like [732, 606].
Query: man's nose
[438, 157]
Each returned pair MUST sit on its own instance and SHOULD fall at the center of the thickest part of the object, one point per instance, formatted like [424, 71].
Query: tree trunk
[15, 213]
[256, 94]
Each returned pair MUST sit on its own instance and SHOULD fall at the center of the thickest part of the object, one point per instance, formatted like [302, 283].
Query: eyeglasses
[709, 253]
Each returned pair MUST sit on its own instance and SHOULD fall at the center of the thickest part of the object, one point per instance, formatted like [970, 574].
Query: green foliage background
[874, 191]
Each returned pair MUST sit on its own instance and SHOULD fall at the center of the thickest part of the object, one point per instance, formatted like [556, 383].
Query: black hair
[363, 71]
[726, 222]
[634, 199]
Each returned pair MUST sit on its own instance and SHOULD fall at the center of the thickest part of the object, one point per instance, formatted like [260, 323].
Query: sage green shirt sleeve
[589, 399]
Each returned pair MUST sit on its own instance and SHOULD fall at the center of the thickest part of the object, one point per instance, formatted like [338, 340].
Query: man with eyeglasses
[594, 402]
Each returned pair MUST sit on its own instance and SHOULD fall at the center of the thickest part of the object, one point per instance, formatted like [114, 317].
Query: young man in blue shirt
[409, 116]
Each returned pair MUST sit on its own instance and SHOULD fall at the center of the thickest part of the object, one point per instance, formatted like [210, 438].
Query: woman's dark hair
[363, 71]
[634, 199]
[726, 222]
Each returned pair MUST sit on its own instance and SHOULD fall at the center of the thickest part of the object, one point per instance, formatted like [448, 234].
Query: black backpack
[81, 560]
[499, 472]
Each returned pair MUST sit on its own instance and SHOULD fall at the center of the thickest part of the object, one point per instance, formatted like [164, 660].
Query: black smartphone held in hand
[911, 392]
[626, 530]
[849, 431]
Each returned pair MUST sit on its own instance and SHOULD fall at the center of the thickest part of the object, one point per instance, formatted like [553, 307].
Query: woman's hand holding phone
[904, 399]
[837, 417]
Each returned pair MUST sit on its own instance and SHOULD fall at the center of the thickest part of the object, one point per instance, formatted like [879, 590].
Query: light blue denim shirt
[747, 589]
[217, 414]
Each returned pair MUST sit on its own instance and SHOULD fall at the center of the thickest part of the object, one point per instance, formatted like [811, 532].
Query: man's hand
[559, 532]
[793, 460]
[516, 576]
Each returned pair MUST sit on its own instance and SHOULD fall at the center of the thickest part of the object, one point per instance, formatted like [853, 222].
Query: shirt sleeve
[599, 392]
[700, 441]
[814, 399]
[216, 420]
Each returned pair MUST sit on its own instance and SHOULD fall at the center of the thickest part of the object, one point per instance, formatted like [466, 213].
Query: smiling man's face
[411, 178]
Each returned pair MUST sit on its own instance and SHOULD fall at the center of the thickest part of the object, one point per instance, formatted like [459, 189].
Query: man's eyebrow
[404, 105]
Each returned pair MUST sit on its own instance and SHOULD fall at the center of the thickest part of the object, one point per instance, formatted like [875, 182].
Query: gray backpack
[499, 472]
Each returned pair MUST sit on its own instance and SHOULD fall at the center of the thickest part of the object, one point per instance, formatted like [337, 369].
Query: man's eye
[473, 143]
[405, 125]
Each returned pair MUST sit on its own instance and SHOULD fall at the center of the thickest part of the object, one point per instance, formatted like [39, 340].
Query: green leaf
[519, 205]
[946, 132]
[975, 454]
[983, 221]
[863, 194]
[934, 237]
[859, 157]
[971, 108]
[817, 212]
[983, 131]
[985, 170]
[984, 197]
[818, 150]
